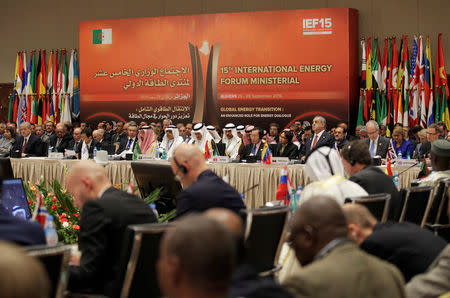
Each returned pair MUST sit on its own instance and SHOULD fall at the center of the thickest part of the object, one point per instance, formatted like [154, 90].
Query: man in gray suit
[332, 265]
[377, 144]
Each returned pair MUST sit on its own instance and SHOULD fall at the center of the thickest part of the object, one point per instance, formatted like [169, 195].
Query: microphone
[409, 168]
[250, 188]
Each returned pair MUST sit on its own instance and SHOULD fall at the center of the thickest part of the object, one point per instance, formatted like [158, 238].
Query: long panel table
[241, 176]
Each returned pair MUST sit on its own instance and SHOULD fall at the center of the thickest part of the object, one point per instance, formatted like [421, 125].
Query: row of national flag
[45, 93]
[397, 86]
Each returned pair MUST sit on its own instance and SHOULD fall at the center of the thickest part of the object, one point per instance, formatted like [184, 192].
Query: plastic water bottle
[49, 150]
[399, 156]
[298, 194]
[50, 231]
[95, 152]
[408, 156]
[153, 207]
[293, 200]
[163, 156]
[157, 153]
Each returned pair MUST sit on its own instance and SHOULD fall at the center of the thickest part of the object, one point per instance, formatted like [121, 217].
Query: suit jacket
[104, 145]
[326, 139]
[374, 181]
[102, 235]
[422, 149]
[124, 143]
[62, 145]
[207, 192]
[20, 231]
[406, 245]
[71, 145]
[435, 281]
[248, 150]
[382, 146]
[290, 151]
[347, 272]
[35, 147]
[91, 149]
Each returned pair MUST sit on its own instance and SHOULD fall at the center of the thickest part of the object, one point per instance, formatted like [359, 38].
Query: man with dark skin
[332, 265]
[187, 267]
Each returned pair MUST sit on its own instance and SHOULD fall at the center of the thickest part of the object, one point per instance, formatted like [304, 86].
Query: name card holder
[55, 155]
[219, 159]
[280, 160]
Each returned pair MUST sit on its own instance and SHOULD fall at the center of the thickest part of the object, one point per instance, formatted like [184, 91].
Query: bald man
[202, 189]
[105, 214]
[332, 265]
[245, 282]
[196, 259]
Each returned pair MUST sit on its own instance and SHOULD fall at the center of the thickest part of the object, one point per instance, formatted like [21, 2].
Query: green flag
[136, 151]
[438, 115]
[360, 120]
[10, 109]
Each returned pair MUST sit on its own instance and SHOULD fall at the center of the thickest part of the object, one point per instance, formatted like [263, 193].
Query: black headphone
[182, 168]
[351, 161]
[327, 157]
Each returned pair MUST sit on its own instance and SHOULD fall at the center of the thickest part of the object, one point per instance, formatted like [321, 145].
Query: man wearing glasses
[378, 145]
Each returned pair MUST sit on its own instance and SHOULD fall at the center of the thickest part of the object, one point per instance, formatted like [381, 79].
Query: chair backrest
[140, 278]
[264, 234]
[378, 204]
[417, 205]
[438, 214]
[56, 261]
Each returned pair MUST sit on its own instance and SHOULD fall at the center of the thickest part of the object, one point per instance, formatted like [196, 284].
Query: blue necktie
[253, 150]
[372, 149]
[130, 141]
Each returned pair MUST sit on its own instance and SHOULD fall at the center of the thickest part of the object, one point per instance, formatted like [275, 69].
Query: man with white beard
[203, 139]
[171, 141]
[231, 140]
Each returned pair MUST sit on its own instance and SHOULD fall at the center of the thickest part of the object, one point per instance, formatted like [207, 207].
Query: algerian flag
[102, 36]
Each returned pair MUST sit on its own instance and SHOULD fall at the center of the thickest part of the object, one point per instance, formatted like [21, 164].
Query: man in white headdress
[231, 140]
[171, 141]
[202, 138]
[212, 130]
[240, 130]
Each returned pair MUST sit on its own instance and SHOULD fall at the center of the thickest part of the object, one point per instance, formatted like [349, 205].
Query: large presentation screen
[245, 68]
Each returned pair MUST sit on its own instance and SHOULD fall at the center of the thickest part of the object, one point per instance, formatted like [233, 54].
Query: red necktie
[24, 145]
[315, 141]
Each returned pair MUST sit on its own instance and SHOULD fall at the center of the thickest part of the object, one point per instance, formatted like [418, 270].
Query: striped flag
[285, 188]
[428, 82]
[266, 155]
[384, 77]
[441, 84]
[414, 104]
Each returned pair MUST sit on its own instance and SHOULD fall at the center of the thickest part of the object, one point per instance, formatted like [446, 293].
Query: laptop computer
[14, 198]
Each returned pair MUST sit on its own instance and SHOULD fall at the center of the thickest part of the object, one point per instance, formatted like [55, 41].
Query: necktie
[75, 147]
[24, 145]
[253, 150]
[130, 141]
[316, 137]
[372, 149]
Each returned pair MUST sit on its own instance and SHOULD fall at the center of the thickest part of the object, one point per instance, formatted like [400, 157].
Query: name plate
[280, 160]
[219, 159]
[405, 162]
[144, 157]
[55, 155]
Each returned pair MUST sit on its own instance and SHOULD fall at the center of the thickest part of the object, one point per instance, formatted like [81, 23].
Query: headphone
[351, 161]
[182, 168]
[327, 157]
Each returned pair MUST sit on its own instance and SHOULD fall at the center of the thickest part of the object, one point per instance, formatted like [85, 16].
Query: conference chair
[265, 230]
[140, 277]
[417, 205]
[56, 261]
[378, 204]
[438, 221]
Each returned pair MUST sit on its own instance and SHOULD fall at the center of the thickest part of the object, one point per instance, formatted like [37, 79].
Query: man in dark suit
[105, 214]
[285, 148]
[128, 144]
[318, 139]
[76, 142]
[422, 150]
[61, 139]
[255, 148]
[20, 231]
[102, 143]
[86, 150]
[339, 136]
[406, 245]
[357, 164]
[378, 145]
[28, 144]
[202, 189]
[331, 264]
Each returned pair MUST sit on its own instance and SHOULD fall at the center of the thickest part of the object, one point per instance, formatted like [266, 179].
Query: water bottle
[298, 194]
[50, 231]
[49, 150]
[293, 201]
[399, 156]
[163, 156]
[408, 156]
[153, 207]
[95, 152]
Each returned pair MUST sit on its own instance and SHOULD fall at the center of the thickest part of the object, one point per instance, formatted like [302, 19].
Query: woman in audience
[7, 142]
[402, 147]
